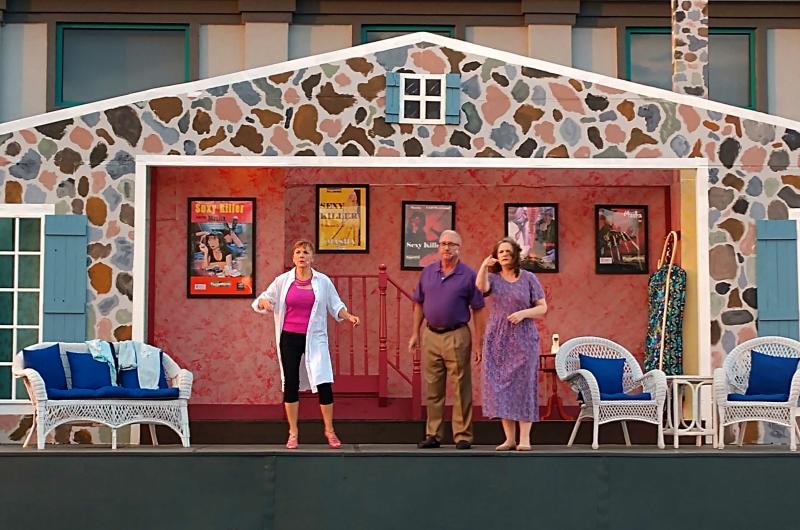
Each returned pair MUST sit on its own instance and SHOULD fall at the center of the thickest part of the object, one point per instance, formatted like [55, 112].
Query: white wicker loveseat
[49, 412]
[621, 405]
[740, 397]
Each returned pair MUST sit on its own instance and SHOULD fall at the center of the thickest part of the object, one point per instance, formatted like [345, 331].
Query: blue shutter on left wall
[65, 278]
[776, 274]
[392, 97]
[452, 108]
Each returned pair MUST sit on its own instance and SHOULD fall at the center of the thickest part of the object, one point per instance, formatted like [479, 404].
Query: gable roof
[384, 45]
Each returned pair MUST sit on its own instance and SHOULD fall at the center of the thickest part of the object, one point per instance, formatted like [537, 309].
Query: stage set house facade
[467, 134]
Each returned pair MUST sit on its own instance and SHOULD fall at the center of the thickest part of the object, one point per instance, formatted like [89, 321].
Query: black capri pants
[293, 346]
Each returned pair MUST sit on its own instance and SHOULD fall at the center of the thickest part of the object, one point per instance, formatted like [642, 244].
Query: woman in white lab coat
[300, 301]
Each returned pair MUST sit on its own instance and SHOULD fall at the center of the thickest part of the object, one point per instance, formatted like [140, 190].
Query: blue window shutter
[392, 97]
[65, 276]
[776, 264]
[452, 112]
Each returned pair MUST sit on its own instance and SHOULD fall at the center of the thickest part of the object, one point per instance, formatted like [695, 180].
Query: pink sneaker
[291, 443]
[333, 440]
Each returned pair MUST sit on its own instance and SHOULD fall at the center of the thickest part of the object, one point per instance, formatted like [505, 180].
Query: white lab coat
[326, 300]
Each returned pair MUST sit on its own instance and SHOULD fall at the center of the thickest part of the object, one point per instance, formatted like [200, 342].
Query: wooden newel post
[383, 351]
[416, 385]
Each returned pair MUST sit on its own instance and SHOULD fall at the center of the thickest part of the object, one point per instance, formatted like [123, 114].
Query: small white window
[422, 98]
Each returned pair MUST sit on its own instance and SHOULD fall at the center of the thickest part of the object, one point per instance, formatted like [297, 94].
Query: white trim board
[142, 207]
[794, 214]
[26, 210]
[388, 44]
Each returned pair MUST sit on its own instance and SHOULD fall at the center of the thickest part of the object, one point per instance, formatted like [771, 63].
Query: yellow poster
[342, 218]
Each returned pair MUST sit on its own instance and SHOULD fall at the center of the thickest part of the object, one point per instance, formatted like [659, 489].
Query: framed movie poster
[221, 238]
[621, 239]
[535, 228]
[423, 223]
[342, 218]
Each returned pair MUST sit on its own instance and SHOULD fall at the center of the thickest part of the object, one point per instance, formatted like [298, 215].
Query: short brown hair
[516, 252]
[305, 243]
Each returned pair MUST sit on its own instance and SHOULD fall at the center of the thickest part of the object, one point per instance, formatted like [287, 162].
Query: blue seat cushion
[644, 396]
[73, 393]
[608, 372]
[47, 361]
[130, 378]
[778, 398]
[86, 372]
[113, 392]
[770, 374]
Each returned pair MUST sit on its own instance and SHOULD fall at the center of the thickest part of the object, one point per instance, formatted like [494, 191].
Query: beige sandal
[506, 446]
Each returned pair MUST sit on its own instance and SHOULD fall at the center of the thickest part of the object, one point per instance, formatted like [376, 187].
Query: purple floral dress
[511, 352]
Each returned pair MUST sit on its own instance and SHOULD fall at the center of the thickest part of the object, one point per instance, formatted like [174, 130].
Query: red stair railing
[362, 293]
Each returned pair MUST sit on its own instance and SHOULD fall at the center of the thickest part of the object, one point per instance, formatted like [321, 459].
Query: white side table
[677, 425]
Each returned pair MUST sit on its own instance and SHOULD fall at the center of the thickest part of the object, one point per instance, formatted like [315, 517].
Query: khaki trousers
[443, 355]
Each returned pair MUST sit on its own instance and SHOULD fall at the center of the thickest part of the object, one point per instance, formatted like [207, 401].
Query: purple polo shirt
[446, 300]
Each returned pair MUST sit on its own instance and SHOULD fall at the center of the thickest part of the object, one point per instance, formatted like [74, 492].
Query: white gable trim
[699, 165]
[395, 42]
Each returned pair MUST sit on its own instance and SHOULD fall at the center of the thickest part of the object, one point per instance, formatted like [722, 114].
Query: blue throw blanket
[101, 351]
[145, 358]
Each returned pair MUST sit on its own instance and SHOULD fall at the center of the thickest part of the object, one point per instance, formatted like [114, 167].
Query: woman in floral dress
[511, 348]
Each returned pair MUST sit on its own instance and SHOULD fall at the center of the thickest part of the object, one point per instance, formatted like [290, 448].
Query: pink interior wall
[231, 349]
[228, 346]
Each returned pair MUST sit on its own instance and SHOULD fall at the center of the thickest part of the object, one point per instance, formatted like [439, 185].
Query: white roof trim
[387, 44]
[143, 161]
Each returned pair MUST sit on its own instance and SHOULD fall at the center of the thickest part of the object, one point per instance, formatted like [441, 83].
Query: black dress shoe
[428, 443]
[463, 444]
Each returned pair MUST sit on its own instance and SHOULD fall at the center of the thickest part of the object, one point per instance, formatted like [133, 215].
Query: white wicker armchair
[734, 377]
[115, 413]
[604, 411]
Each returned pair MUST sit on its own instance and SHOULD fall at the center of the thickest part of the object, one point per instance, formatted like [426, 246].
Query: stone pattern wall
[690, 47]
[86, 164]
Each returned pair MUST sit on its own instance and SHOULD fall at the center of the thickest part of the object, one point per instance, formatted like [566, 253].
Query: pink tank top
[298, 307]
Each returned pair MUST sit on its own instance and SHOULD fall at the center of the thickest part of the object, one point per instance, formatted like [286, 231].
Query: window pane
[26, 337]
[28, 271]
[6, 348]
[6, 271]
[6, 308]
[433, 87]
[30, 234]
[651, 63]
[22, 392]
[376, 35]
[5, 382]
[729, 69]
[28, 312]
[6, 233]
[412, 87]
[432, 110]
[126, 56]
[411, 109]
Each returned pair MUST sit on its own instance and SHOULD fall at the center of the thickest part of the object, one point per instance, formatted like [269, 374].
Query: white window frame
[23, 211]
[423, 98]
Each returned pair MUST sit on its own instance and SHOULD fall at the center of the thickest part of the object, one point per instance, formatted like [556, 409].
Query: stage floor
[386, 487]
[398, 449]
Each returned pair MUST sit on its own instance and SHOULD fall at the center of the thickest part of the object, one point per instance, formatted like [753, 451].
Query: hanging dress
[667, 299]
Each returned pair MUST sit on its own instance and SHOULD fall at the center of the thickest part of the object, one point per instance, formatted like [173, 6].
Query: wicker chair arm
[721, 386]
[35, 383]
[654, 382]
[794, 389]
[185, 379]
[587, 378]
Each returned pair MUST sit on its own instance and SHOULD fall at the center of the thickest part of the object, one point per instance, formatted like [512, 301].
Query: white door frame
[698, 165]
